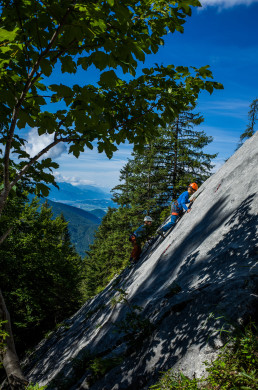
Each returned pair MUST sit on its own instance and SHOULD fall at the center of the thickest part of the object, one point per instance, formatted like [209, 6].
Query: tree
[185, 158]
[169, 162]
[253, 116]
[36, 37]
[46, 288]
[148, 182]
[110, 251]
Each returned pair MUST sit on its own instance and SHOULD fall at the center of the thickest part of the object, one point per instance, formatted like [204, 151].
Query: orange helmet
[194, 186]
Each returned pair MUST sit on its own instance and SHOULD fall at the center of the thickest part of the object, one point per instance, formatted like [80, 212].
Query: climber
[139, 235]
[178, 207]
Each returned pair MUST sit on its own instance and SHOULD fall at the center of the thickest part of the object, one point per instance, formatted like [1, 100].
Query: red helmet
[194, 186]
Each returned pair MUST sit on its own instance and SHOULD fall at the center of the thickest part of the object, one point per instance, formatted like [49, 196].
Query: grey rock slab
[198, 281]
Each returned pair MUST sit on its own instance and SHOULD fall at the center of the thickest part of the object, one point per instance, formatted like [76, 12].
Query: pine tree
[110, 251]
[168, 164]
[148, 182]
[46, 288]
[188, 161]
[253, 116]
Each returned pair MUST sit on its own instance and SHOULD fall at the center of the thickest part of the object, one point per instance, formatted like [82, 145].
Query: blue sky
[224, 35]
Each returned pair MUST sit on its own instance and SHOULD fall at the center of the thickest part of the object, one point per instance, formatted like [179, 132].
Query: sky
[222, 34]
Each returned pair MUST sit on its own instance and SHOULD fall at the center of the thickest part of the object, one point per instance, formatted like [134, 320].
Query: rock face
[169, 309]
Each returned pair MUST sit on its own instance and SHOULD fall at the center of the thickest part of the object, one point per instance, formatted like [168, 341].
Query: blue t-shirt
[182, 200]
[142, 232]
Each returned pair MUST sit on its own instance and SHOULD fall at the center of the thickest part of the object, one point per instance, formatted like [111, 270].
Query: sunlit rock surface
[201, 279]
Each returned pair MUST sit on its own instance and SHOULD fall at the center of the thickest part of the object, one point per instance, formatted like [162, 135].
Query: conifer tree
[186, 160]
[253, 116]
[149, 181]
[110, 251]
[172, 160]
[48, 272]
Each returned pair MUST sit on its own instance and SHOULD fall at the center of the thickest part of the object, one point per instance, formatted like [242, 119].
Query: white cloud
[226, 3]
[94, 168]
[74, 180]
[36, 143]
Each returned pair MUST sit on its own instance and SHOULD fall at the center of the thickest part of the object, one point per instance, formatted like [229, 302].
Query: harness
[132, 238]
[175, 209]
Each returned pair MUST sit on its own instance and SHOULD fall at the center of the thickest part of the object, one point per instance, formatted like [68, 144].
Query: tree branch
[32, 161]
[24, 35]
[30, 80]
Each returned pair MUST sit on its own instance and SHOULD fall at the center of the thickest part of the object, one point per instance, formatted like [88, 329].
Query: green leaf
[6, 35]
[209, 87]
[89, 145]
[46, 123]
[139, 53]
[42, 189]
[62, 92]
[46, 67]
[99, 59]
[184, 70]
[68, 65]
[108, 79]
[76, 149]
[25, 118]
[100, 23]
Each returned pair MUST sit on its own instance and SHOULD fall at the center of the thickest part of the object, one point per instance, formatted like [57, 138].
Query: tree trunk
[15, 377]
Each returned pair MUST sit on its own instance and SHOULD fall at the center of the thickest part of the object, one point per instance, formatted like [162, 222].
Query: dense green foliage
[40, 274]
[148, 183]
[110, 251]
[234, 369]
[38, 38]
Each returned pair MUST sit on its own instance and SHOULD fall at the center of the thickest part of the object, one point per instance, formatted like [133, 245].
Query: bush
[235, 367]
[35, 387]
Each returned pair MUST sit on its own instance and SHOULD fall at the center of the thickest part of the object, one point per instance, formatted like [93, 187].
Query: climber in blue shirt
[178, 207]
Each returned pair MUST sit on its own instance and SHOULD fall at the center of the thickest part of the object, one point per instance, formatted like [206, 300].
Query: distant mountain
[98, 213]
[92, 204]
[83, 208]
[73, 212]
[68, 192]
[85, 197]
[81, 224]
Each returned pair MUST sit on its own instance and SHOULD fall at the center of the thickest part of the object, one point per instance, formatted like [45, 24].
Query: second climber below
[140, 235]
[178, 207]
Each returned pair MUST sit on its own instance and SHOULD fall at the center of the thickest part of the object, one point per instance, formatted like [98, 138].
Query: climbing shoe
[161, 233]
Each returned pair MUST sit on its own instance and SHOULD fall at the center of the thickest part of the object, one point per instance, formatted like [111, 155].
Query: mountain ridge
[85, 197]
[82, 224]
[68, 191]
